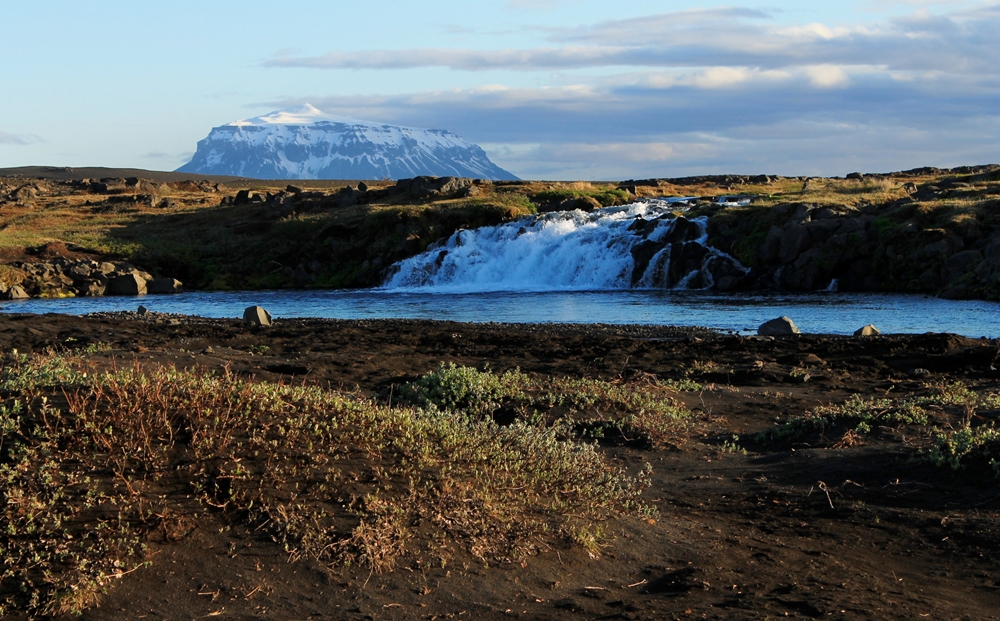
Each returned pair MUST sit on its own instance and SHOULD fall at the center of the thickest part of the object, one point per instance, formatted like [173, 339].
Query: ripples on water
[828, 313]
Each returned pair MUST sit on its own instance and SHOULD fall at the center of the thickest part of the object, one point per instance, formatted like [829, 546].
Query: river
[823, 312]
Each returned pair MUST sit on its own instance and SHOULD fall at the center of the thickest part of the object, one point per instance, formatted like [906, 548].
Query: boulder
[127, 284]
[80, 271]
[961, 262]
[771, 246]
[683, 230]
[642, 254]
[16, 292]
[256, 316]
[868, 330]
[25, 195]
[427, 187]
[164, 285]
[805, 273]
[245, 197]
[794, 240]
[822, 229]
[782, 326]
[988, 270]
[91, 288]
[583, 203]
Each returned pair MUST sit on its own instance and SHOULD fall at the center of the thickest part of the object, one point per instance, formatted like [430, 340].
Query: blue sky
[554, 89]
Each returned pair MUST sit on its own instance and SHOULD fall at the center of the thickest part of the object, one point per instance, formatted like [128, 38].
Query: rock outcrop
[62, 277]
[900, 245]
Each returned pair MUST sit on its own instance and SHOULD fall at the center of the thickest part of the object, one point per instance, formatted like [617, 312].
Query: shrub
[606, 197]
[968, 446]
[643, 411]
[455, 388]
[857, 412]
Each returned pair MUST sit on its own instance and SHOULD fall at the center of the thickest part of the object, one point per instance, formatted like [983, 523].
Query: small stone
[919, 371]
[142, 310]
[209, 350]
[782, 326]
[256, 316]
[868, 330]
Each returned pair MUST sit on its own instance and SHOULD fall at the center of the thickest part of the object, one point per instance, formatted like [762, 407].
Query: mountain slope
[305, 143]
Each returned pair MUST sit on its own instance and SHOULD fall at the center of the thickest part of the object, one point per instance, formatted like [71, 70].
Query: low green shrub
[606, 197]
[856, 412]
[455, 388]
[967, 447]
[647, 409]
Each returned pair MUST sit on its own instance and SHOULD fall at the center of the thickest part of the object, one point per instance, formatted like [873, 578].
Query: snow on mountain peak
[306, 114]
[306, 143]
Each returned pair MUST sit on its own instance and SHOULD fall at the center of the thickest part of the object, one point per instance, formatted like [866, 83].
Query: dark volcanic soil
[784, 531]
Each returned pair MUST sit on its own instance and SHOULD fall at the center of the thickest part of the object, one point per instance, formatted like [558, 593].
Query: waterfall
[641, 245]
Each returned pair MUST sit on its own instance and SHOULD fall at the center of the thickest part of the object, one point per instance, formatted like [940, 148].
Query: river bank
[927, 231]
[773, 490]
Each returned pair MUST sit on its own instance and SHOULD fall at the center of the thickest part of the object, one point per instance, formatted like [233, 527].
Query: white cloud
[828, 76]
[959, 42]
[721, 90]
[19, 139]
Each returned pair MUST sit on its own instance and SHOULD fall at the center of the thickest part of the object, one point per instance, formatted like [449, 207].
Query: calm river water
[828, 313]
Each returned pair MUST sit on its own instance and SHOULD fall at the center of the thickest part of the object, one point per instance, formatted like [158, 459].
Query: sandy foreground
[827, 525]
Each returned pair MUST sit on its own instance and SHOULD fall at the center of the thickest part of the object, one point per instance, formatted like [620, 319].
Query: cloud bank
[720, 89]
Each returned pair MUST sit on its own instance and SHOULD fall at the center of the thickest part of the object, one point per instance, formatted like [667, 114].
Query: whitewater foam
[570, 251]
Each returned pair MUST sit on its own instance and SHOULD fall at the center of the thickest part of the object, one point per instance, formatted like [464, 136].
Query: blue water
[827, 313]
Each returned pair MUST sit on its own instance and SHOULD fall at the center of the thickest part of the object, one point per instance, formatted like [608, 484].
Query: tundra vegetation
[133, 449]
[500, 467]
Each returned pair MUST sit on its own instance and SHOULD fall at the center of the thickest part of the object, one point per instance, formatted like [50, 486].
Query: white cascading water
[558, 251]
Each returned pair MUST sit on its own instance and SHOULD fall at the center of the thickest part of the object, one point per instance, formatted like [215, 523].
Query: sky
[551, 89]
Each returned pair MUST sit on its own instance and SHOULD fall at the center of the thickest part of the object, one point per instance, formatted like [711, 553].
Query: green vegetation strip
[971, 443]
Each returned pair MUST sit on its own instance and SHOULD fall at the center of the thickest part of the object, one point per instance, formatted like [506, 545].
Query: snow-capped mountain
[306, 143]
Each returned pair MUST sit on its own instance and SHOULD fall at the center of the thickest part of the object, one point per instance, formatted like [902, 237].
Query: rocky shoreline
[894, 246]
[61, 277]
[928, 231]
